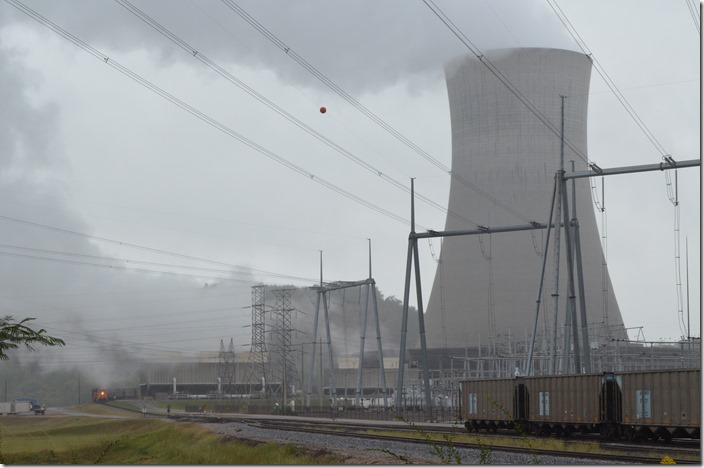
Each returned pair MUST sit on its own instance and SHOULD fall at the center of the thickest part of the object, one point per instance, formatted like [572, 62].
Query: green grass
[175, 404]
[102, 410]
[123, 404]
[90, 440]
[180, 405]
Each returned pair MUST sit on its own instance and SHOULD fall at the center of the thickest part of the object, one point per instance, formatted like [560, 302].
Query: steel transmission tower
[286, 368]
[258, 355]
[226, 368]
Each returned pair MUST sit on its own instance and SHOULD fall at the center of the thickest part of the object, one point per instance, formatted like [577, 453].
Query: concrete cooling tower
[486, 286]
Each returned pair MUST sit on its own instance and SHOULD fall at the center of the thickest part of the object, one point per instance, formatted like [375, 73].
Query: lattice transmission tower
[258, 355]
[226, 368]
[286, 372]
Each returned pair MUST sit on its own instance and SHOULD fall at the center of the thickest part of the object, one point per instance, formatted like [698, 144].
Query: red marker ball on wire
[323, 110]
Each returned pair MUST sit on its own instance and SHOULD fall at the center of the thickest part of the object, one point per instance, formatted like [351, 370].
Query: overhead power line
[364, 110]
[500, 76]
[695, 15]
[200, 115]
[189, 49]
[646, 131]
[604, 76]
[151, 249]
[127, 262]
[99, 342]
[130, 318]
[123, 268]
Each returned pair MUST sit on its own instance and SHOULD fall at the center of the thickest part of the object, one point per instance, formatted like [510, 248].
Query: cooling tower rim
[503, 52]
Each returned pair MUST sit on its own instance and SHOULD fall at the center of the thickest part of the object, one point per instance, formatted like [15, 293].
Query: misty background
[135, 231]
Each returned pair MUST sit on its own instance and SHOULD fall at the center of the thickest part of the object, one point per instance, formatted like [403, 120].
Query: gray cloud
[221, 199]
[363, 46]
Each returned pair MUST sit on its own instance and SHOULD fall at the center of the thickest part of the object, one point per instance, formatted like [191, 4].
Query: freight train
[99, 395]
[659, 404]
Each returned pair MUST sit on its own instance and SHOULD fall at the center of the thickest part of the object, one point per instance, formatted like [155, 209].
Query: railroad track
[681, 451]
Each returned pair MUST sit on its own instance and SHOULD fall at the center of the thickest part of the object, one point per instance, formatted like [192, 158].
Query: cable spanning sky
[154, 135]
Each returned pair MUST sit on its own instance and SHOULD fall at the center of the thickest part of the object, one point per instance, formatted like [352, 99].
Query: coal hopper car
[658, 404]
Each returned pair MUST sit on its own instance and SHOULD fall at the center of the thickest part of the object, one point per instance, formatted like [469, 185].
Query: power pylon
[286, 369]
[226, 368]
[258, 355]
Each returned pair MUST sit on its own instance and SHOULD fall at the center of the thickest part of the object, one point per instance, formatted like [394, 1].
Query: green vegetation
[446, 453]
[124, 404]
[485, 450]
[519, 427]
[181, 405]
[102, 410]
[91, 440]
[13, 334]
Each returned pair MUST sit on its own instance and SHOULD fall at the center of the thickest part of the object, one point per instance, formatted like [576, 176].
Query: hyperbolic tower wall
[486, 286]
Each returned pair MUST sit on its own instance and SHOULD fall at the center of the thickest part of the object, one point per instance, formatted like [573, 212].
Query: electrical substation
[508, 300]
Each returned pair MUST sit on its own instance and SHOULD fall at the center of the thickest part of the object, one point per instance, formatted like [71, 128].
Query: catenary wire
[122, 268]
[200, 115]
[122, 317]
[100, 341]
[604, 76]
[150, 249]
[500, 76]
[364, 110]
[122, 260]
[178, 318]
[646, 131]
[227, 290]
[695, 17]
[282, 112]
[130, 345]
[125, 244]
[290, 83]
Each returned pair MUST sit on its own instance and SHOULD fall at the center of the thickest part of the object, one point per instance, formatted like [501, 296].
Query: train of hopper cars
[659, 404]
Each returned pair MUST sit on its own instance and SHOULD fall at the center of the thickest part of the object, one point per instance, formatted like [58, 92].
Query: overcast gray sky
[88, 150]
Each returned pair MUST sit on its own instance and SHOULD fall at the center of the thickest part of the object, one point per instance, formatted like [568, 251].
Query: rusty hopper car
[663, 404]
[636, 405]
[488, 404]
[564, 404]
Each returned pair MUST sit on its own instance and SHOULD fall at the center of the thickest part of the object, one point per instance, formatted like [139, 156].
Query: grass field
[104, 410]
[95, 440]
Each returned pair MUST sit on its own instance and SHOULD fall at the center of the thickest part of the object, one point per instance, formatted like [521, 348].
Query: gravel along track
[358, 451]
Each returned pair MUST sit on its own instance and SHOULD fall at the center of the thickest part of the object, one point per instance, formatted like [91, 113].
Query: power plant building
[505, 159]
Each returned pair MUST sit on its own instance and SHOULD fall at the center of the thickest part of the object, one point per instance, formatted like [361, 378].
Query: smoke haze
[95, 167]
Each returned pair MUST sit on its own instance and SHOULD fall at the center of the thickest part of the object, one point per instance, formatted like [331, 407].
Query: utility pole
[556, 249]
[412, 259]
[315, 338]
[580, 281]
[689, 330]
[323, 297]
[303, 370]
[320, 386]
[529, 361]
